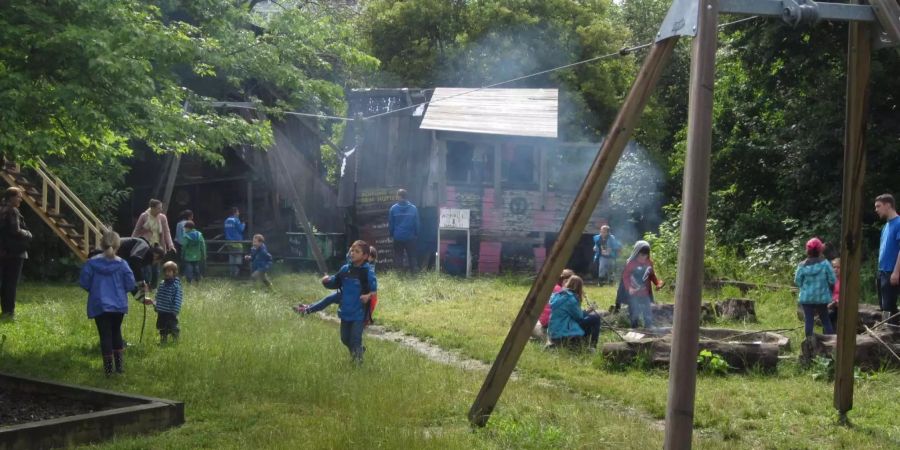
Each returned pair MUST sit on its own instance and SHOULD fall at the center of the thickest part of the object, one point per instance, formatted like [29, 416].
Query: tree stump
[737, 309]
[870, 354]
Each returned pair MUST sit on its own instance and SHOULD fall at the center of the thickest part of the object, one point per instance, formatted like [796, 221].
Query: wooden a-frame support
[683, 368]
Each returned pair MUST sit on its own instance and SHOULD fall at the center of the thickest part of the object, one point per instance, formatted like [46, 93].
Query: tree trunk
[737, 309]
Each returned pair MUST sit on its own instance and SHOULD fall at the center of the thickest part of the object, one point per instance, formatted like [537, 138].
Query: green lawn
[252, 374]
[788, 409]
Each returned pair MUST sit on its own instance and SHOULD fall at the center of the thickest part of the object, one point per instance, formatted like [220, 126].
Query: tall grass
[252, 374]
[788, 409]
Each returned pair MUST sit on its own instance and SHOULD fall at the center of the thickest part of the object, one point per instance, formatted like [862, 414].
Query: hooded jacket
[353, 281]
[815, 278]
[403, 221]
[108, 282]
[260, 258]
[234, 229]
[565, 316]
[193, 246]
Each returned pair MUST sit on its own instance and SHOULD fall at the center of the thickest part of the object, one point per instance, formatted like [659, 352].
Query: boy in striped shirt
[168, 303]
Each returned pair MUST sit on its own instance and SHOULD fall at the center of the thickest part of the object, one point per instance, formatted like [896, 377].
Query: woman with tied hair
[108, 279]
[153, 226]
[14, 239]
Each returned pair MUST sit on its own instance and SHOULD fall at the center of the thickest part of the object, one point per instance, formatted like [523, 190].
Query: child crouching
[168, 304]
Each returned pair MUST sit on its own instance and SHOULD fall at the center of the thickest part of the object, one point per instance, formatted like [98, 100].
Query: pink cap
[814, 244]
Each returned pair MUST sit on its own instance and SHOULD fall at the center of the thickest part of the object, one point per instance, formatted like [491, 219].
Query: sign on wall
[454, 218]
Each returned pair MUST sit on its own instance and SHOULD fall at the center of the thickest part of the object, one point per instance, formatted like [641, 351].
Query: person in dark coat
[14, 239]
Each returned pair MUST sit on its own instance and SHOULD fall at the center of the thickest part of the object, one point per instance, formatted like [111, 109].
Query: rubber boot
[119, 358]
[108, 364]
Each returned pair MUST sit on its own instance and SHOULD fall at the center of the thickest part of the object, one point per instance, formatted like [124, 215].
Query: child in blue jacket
[260, 260]
[108, 279]
[815, 278]
[570, 326]
[357, 284]
[168, 304]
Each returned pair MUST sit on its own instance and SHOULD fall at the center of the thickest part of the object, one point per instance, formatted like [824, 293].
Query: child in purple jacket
[108, 280]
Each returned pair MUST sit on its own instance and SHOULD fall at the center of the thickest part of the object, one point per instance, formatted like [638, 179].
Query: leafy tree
[87, 78]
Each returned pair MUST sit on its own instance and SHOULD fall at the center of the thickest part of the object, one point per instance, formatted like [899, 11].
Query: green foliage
[822, 369]
[711, 363]
[85, 80]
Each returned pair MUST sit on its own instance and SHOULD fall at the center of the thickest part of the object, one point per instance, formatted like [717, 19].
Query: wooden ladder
[57, 206]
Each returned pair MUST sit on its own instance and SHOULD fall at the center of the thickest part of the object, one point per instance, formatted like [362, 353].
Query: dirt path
[455, 359]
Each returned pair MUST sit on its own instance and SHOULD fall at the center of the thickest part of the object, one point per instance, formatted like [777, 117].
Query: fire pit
[740, 348]
[39, 414]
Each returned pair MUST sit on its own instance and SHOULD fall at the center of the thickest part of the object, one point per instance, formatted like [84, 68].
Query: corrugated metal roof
[512, 112]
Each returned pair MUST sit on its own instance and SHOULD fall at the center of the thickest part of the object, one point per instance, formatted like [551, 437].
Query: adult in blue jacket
[570, 326]
[606, 251]
[403, 224]
[234, 231]
[108, 279]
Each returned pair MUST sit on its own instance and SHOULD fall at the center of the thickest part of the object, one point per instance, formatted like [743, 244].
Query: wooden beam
[170, 182]
[859, 54]
[695, 199]
[570, 233]
[300, 213]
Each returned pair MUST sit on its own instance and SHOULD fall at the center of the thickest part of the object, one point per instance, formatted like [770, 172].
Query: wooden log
[859, 59]
[869, 351]
[695, 200]
[741, 357]
[736, 309]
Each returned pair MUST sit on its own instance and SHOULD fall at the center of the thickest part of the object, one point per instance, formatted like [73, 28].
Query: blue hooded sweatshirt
[353, 281]
[403, 221]
[260, 259]
[234, 229]
[108, 282]
[815, 278]
[565, 315]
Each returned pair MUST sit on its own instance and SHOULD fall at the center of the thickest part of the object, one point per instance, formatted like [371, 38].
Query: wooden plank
[859, 54]
[577, 218]
[695, 199]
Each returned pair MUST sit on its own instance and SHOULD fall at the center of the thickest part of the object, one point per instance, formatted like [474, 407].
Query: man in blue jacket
[403, 223]
[234, 231]
[606, 251]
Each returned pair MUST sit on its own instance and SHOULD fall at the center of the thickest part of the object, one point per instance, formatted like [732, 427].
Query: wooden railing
[91, 225]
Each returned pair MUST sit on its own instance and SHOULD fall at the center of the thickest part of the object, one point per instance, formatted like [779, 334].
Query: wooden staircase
[57, 206]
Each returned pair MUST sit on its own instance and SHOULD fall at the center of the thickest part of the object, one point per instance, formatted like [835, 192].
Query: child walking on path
[815, 278]
[193, 252]
[168, 304]
[357, 285]
[108, 280]
[638, 278]
[569, 325]
[260, 260]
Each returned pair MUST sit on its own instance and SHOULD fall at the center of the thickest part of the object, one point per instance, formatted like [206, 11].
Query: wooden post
[695, 198]
[300, 214]
[570, 233]
[859, 53]
[250, 204]
[170, 181]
